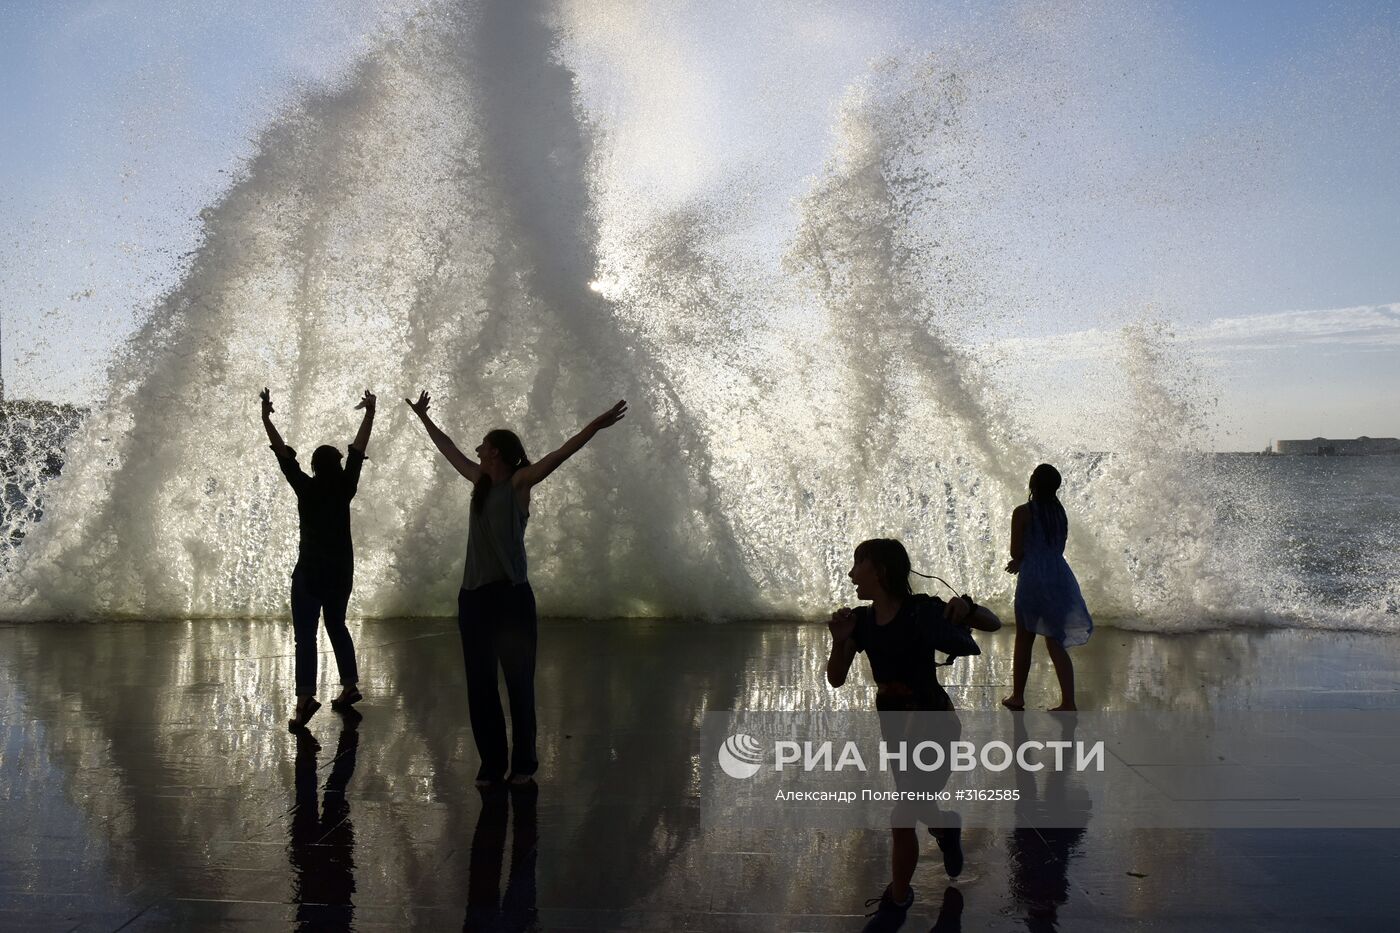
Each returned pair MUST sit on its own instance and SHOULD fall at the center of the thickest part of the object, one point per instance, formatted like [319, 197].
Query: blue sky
[1241, 163]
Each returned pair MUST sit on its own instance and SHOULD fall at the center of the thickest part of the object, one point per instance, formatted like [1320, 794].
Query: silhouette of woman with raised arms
[325, 569]
[1048, 600]
[496, 606]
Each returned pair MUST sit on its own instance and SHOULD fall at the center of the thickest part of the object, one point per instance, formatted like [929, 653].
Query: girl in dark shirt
[899, 632]
[325, 570]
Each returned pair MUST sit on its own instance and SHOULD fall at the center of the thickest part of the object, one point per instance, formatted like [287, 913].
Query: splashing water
[452, 218]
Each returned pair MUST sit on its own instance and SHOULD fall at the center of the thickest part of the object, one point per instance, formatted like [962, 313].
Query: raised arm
[843, 646]
[1019, 518]
[536, 472]
[361, 441]
[279, 446]
[464, 464]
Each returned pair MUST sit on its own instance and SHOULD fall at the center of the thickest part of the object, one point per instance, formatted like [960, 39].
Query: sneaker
[887, 914]
[950, 844]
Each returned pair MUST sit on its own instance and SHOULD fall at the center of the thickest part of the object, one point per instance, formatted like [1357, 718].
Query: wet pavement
[149, 782]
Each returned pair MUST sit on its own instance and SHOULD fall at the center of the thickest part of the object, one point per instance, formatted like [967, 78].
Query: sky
[1226, 167]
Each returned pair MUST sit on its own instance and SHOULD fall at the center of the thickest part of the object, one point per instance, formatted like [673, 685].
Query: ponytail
[511, 450]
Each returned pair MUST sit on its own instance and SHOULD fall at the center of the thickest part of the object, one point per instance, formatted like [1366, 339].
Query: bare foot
[1064, 708]
[1014, 703]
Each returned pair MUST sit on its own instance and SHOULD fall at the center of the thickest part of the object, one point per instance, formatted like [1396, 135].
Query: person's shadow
[487, 908]
[322, 837]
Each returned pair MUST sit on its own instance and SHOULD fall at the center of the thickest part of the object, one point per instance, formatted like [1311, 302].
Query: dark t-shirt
[901, 652]
[325, 555]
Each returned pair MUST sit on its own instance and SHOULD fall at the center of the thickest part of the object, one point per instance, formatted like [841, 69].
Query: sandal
[343, 703]
[304, 712]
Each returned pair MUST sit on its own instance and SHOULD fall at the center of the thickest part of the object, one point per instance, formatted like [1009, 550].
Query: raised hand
[367, 403]
[266, 397]
[842, 624]
[420, 407]
[608, 418]
[957, 609]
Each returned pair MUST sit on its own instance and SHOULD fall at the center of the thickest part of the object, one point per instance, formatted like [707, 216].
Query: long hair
[512, 452]
[891, 562]
[1054, 523]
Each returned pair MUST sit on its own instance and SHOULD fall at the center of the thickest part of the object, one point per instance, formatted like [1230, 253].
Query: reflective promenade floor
[149, 782]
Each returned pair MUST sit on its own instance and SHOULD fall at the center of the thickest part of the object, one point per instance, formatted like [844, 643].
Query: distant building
[1326, 446]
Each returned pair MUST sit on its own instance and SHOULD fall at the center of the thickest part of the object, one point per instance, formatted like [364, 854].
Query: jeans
[498, 626]
[308, 603]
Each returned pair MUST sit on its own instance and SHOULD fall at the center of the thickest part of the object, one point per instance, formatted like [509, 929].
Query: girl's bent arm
[979, 617]
[839, 664]
[984, 620]
[1018, 532]
[843, 646]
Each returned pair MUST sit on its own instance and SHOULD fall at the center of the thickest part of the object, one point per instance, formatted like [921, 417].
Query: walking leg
[1020, 666]
[1064, 672]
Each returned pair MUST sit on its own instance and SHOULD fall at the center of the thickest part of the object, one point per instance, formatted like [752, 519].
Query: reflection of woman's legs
[516, 646]
[477, 620]
[1020, 664]
[488, 849]
[904, 857]
[1064, 672]
[521, 895]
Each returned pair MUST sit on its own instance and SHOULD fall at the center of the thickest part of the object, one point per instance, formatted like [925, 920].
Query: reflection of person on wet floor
[1048, 833]
[496, 606]
[487, 907]
[1048, 600]
[322, 834]
[325, 569]
[899, 633]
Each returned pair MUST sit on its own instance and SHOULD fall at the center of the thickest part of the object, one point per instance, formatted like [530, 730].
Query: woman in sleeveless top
[1048, 600]
[496, 606]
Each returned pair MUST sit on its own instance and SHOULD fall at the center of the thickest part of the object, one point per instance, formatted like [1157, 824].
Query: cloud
[1365, 328]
